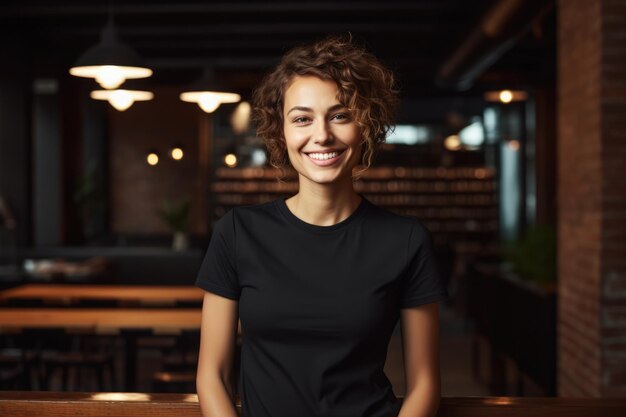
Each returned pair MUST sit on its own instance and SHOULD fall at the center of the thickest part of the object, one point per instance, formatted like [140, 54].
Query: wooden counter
[72, 293]
[43, 404]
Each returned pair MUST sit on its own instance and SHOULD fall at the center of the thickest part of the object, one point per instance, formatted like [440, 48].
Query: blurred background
[117, 156]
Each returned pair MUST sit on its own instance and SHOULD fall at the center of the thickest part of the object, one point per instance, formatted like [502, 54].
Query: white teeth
[323, 156]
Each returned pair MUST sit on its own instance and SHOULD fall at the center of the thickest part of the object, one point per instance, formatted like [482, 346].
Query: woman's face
[323, 141]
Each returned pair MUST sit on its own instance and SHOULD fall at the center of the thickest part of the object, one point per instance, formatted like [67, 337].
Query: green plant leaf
[534, 256]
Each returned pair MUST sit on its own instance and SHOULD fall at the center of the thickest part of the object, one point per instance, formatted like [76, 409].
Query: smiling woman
[320, 279]
[319, 131]
[363, 87]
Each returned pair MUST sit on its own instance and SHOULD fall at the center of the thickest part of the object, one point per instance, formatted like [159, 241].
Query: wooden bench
[57, 404]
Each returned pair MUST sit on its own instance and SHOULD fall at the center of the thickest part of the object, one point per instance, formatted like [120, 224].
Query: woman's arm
[420, 343]
[218, 335]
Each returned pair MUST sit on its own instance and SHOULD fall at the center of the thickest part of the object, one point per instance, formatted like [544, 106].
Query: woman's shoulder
[394, 220]
[250, 212]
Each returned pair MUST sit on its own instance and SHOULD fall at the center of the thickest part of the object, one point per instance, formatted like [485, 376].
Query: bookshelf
[459, 205]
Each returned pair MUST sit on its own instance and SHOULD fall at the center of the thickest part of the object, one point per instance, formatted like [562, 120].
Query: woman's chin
[326, 178]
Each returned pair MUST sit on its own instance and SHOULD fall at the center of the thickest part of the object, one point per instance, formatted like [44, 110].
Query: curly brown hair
[366, 87]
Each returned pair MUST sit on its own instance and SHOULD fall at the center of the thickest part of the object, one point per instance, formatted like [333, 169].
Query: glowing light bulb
[177, 154]
[152, 159]
[121, 99]
[452, 142]
[110, 76]
[208, 102]
[230, 160]
[506, 96]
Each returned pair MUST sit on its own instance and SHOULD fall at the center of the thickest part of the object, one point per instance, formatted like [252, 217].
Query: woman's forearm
[215, 399]
[422, 401]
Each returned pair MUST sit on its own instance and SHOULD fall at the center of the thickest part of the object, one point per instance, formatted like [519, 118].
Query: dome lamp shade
[208, 94]
[110, 62]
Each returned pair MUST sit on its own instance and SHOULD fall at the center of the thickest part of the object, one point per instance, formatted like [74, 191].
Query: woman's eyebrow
[308, 109]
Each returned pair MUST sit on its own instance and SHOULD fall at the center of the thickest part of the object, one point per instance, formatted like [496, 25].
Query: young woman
[320, 279]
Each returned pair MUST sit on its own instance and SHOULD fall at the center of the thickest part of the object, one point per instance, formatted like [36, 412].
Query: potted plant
[175, 213]
[90, 197]
[533, 258]
[513, 306]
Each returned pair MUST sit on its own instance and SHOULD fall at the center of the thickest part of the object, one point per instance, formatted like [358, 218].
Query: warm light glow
[230, 160]
[513, 144]
[452, 143]
[152, 158]
[191, 398]
[120, 396]
[240, 119]
[506, 96]
[209, 101]
[121, 99]
[499, 400]
[110, 76]
[176, 153]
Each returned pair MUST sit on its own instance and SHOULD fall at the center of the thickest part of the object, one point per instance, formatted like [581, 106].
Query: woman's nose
[321, 132]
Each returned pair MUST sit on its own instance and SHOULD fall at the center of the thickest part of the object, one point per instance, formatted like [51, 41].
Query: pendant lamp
[207, 94]
[121, 99]
[110, 62]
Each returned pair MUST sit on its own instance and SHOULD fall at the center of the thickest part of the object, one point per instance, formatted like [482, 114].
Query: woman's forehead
[311, 90]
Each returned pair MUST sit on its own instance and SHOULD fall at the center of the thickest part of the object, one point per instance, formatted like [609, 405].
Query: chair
[178, 365]
[73, 354]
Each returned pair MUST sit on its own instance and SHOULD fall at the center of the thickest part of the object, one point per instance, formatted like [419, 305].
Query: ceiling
[243, 39]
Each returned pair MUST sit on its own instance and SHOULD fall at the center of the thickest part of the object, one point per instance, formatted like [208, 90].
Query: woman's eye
[341, 116]
[301, 119]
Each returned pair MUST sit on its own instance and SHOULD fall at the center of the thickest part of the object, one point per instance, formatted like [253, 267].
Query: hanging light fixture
[110, 62]
[121, 99]
[207, 94]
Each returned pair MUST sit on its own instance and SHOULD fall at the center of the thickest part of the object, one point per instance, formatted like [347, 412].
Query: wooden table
[126, 322]
[103, 320]
[133, 404]
[123, 294]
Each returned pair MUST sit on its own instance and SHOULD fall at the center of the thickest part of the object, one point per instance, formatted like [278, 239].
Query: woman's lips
[326, 162]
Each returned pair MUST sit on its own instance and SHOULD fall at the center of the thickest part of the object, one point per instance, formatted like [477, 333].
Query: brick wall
[591, 198]
[138, 189]
[613, 319]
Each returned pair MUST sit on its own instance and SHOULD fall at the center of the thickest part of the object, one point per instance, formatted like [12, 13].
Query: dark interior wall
[15, 145]
[94, 187]
[137, 189]
[46, 164]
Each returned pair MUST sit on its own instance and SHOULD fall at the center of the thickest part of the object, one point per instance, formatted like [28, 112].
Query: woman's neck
[324, 204]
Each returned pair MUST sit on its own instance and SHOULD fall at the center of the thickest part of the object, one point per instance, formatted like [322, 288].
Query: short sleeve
[218, 272]
[422, 282]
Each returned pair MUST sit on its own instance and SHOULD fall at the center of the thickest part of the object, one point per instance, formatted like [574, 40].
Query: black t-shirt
[318, 304]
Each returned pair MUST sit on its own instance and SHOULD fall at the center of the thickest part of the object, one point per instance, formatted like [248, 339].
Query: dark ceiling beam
[270, 28]
[222, 43]
[200, 62]
[497, 32]
[230, 7]
[252, 62]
